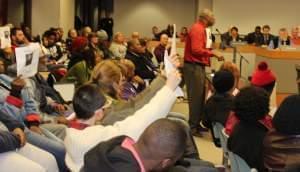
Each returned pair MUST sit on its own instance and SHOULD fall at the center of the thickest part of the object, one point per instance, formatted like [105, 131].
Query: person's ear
[165, 163]
[99, 114]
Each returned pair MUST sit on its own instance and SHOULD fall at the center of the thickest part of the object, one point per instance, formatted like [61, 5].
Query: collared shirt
[128, 144]
[196, 43]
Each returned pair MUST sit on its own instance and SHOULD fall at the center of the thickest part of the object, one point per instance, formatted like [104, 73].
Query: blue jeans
[49, 144]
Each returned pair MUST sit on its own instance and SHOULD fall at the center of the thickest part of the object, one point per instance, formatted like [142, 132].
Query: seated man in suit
[144, 66]
[256, 37]
[267, 37]
[234, 36]
[282, 40]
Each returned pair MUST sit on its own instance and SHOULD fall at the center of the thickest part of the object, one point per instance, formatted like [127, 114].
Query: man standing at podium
[196, 56]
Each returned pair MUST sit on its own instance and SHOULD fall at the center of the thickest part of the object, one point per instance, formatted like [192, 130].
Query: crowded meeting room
[149, 86]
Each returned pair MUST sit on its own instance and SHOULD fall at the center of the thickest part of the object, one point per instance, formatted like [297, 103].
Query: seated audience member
[28, 157]
[234, 36]
[135, 35]
[159, 51]
[147, 53]
[92, 135]
[27, 32]
[158, 148]
[282, 40]
[104, 44]
[267, 36]
[72, 34]
[256, 37]
[79, 44]
[118, 47]
[219, 105]
[15, 100]
[264, 77]
[281, 145]
[53, 49]
[128, 89]
[236, 73]
[80, 73]
[183, 34]
[93, 40]
[86, 31]
[144, 67]
[156, 33]
[295, 37]
[251, 106]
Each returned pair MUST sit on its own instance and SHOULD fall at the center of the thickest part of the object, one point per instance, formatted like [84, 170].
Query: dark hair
[287, 117]
[234, 28]
[13, 31]
[164, 138]
[251, 104]
[143, 42]
[223, 81]
[266, 27]
[49, 33]
[87, 99]
[257, 27]
[89, 56]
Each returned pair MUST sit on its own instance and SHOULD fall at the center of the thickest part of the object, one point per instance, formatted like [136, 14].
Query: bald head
[163, 139]
[164, 40]
[135, 35]
[207, 17]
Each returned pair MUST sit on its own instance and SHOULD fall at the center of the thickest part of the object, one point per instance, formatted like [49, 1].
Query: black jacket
[255, 38]
[246, 141]
[143, 66]
[217, 109]
[268, 39]
[109, 156]
[9, 141]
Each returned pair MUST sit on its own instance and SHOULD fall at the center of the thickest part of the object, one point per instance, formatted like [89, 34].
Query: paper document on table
[5, 37]
[27, 60]
[169, 67]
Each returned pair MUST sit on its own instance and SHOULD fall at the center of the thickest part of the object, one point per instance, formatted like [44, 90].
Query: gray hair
[205, 13]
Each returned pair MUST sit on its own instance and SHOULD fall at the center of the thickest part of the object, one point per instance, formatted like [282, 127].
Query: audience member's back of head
[233, 69]
[263, 77]
[223, 81]
[87, 100]
[163, 139]
[251, 104]
[287, 117]
[107, 75]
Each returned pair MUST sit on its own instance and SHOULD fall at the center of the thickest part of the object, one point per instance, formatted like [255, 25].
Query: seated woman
[250, 106]
[80, 73]
[281, 145]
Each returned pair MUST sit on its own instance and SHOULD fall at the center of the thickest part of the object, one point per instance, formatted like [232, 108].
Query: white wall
[45, 14]
[15, 12]
[246, 14]
[54, 13]
[67, 15]
[141, 15]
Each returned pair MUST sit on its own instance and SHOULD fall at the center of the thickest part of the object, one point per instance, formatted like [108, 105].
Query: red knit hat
[79, 43]
[262, 75]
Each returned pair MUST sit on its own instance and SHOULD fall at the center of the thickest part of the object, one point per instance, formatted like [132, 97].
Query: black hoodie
[110, 156]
